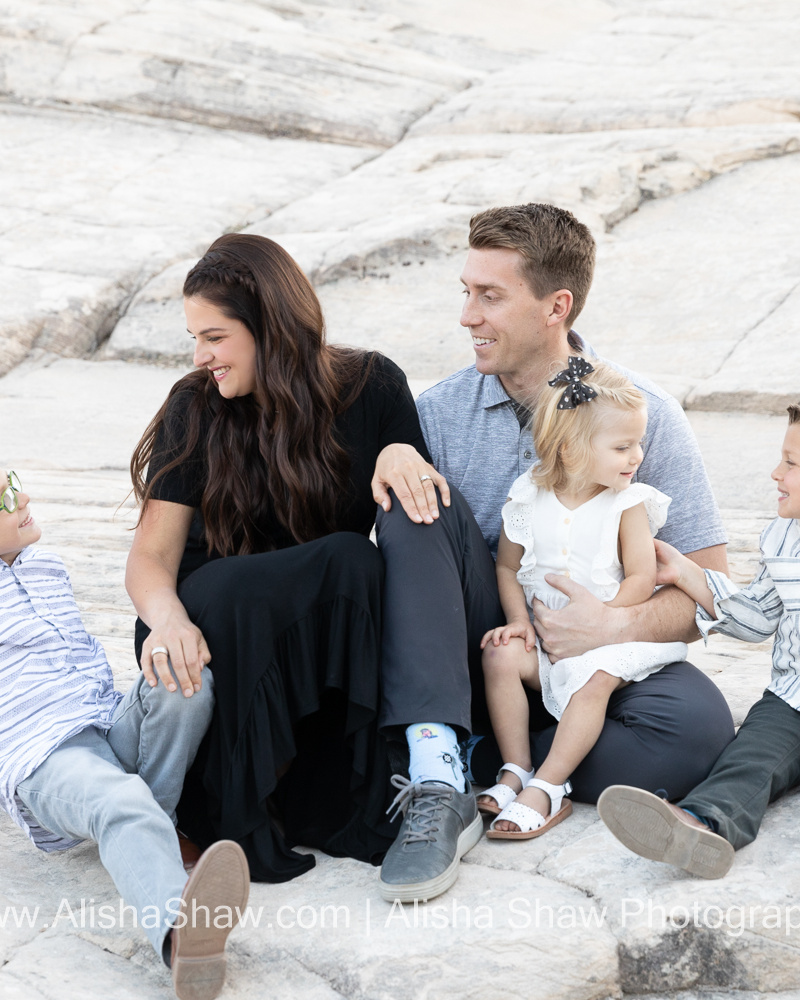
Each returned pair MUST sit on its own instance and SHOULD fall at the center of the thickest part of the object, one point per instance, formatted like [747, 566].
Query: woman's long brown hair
[275, 448]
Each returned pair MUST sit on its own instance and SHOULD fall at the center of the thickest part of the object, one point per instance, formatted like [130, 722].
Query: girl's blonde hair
[563, 438]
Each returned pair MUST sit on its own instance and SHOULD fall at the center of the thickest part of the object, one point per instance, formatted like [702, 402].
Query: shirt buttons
[564, 552]
[566, 520]
[565, 573]
[528, 453]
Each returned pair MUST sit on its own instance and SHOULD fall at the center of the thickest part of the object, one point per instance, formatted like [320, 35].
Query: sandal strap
[523, 775]
[555, 792]
[502, 794]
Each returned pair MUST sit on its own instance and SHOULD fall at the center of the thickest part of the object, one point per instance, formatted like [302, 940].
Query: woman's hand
[400, 467]
[187, 651]
[514, 629]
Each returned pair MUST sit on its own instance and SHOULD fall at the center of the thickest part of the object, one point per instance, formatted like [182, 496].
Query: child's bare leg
[576, 734]
[508, 670]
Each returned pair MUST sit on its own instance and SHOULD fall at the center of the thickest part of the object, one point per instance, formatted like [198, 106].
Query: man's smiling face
[502, 314]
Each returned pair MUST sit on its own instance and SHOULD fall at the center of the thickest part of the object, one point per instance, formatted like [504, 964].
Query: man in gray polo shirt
[526, 279]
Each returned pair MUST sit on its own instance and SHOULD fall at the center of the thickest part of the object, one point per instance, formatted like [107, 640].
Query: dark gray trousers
[759, 766]
[440, 597]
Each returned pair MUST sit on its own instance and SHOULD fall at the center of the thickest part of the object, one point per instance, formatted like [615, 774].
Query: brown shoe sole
[650, 827]
[220, 879]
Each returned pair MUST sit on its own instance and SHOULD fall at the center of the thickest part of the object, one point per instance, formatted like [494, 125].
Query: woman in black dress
[252, 554]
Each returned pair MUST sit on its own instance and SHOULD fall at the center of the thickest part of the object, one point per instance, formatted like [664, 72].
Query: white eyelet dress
[583, 545]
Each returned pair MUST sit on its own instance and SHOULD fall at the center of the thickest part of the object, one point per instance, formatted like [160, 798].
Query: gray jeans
[759, 766]
[120, 789]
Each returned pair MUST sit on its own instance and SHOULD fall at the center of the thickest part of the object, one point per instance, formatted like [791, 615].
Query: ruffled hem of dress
[630, 661]
[334, 794]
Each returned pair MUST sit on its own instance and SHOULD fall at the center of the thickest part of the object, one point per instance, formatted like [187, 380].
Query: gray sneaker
[439, 826]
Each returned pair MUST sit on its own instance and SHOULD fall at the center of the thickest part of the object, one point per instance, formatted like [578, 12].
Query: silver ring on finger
[423, 478]
[159, 649]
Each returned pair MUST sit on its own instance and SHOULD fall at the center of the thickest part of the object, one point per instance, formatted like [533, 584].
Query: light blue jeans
[121, 788]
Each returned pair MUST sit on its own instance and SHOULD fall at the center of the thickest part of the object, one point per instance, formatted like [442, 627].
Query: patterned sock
[435, 756]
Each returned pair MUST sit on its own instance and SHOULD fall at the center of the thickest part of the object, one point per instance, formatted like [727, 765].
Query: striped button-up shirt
[770, 605]
[55, 680]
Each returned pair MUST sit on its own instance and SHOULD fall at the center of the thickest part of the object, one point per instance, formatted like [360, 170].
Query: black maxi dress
[294, 635]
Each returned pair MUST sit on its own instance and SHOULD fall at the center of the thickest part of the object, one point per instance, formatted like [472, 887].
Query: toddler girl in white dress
[577, 513]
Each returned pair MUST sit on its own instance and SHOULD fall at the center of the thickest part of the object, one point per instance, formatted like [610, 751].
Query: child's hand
[503, 633]
[669, 564]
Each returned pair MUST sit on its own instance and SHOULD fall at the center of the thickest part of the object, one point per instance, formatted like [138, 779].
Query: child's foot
[510, 782]
[533, 798]
[521, 820]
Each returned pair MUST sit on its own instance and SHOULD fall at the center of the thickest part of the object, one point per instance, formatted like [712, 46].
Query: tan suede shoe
[660, 831]
[220, 882]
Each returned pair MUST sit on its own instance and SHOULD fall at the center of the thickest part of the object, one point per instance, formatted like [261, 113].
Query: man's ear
[560, 306]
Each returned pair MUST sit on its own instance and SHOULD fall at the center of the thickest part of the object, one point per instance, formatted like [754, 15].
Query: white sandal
[502, 794]
[530, 822]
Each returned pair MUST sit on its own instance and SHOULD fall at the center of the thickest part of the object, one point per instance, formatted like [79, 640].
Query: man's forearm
[669, 616]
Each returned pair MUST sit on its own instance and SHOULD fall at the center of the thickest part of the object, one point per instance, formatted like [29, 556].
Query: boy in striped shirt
[80, 761]
[724, 812]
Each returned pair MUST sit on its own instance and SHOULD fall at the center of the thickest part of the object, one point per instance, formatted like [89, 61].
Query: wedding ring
[423, 478]
[159, 649]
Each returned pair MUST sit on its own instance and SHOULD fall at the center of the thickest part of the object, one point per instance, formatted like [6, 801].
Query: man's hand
[402, 469]
[585, 623]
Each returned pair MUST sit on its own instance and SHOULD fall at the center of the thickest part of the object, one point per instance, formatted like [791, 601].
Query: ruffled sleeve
[518, 510]
[518, 521]
[656, 505]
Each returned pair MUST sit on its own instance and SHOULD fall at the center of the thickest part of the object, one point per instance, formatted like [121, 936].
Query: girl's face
[787, 474]
[223, 346]
[617, 447]
[17, 528]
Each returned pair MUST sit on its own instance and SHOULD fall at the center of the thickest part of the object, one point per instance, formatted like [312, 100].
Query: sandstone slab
[654, 66]
[98, 204]
[385, 244]
[653, 280]
[284, 69]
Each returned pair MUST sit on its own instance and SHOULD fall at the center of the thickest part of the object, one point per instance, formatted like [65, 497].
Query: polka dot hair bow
[576, 392]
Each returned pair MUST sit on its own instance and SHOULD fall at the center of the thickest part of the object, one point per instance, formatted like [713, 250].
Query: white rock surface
[98, 204]
[654, 65]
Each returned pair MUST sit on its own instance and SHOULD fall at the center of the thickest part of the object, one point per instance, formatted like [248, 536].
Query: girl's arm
[675, 568]
[512, 597]
[151, 579]
[638, 556]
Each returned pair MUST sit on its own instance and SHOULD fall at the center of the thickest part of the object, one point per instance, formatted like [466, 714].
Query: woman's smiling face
[17, 528]
[223, 346]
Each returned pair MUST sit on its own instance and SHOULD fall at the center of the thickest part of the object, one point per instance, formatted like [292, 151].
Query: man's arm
[586, 622]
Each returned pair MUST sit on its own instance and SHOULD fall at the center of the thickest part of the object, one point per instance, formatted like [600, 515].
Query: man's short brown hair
[794, 413]
[558, 251]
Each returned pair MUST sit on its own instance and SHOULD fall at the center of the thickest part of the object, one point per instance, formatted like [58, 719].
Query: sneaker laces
[419, 803]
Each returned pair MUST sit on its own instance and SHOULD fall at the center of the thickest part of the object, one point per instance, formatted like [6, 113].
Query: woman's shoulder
[187, 402]
[372, 378]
